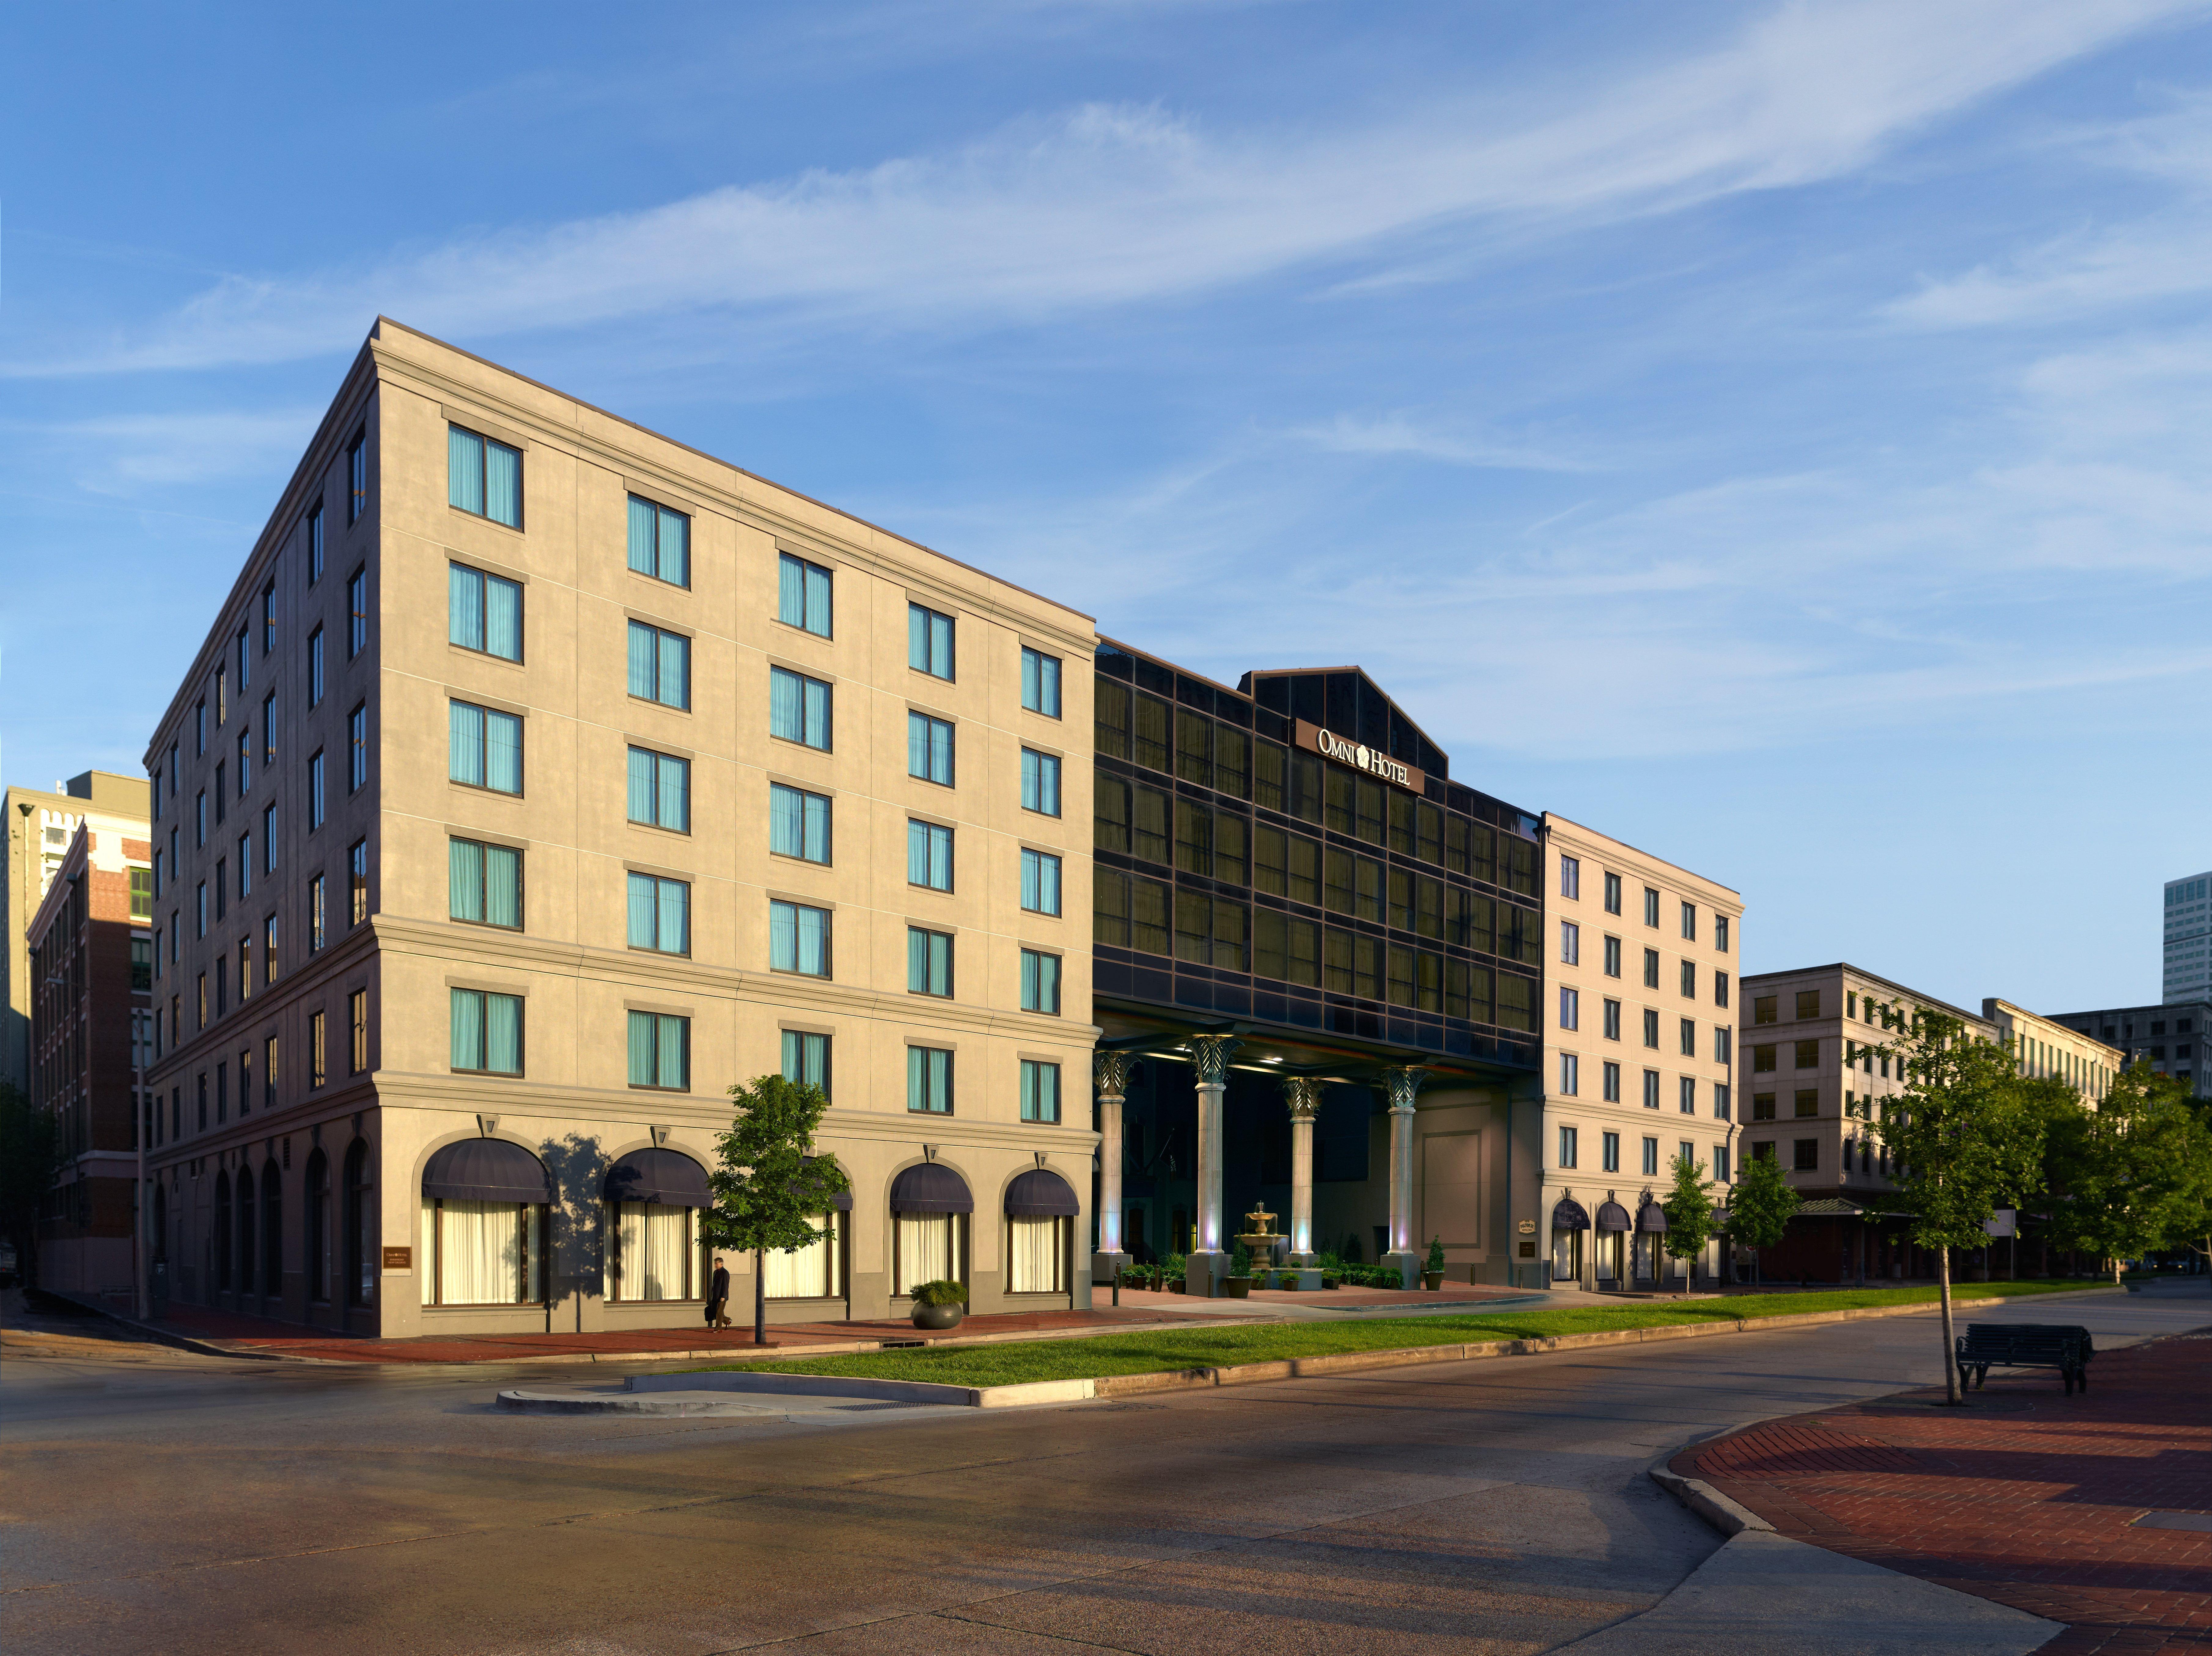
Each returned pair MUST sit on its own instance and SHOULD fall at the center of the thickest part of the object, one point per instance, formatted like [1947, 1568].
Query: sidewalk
[2030, 1498]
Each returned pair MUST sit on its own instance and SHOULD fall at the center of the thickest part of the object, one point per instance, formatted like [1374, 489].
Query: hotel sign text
[1371, 761]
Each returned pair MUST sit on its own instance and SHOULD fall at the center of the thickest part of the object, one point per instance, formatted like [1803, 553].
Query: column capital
[1210, 1055]
[1113, 1074]
[1303, 1094]
[1404, 1080]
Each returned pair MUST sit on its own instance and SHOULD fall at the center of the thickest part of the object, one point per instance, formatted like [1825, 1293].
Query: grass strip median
[1156, 1350]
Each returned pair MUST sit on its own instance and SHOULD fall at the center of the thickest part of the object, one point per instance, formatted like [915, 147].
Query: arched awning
[1652, 1219]
[1568, 1215]
[929, 1188]
[1041, 1193]
[486, 1170]
[1611, 1215]
[667, 1177]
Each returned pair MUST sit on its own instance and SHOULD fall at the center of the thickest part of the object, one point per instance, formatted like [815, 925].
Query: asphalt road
[157, 1501]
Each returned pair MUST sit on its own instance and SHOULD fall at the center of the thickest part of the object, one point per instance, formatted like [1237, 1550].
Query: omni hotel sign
[1369, 762]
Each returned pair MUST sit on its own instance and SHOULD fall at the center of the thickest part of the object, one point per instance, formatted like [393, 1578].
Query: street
[158, 1499]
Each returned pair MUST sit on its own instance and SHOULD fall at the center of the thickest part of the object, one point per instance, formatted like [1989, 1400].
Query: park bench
[2066, 1347]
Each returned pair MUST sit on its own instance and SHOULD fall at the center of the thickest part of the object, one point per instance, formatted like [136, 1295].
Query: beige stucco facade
[2043, 1047]
[569, 964]
[1641, 1004]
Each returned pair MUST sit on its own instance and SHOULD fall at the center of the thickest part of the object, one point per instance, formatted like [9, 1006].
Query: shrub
[1436, 1260]
[940, 1293]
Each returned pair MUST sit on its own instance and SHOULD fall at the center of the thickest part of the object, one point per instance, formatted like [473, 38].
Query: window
[1651, 1157]
[1721, 1163]
[356, 478]
[1040, 982]
[1687, 1095]
[1651, 1028]
[357, 749]
[315, 915]
[483, 477]
[798, 708]
[1569, 1074]
[1723, 1044]
[1613, 893]
[357, 1040]
[1689, 1036]
[268, 838]
[1569, 1146]
[660, 1052]
[1721, 939]
[1762, 1059]
[1613, 957]
[1809, 1054]
[928, 855]
[200, 818]
[1612, 1084]
[1651, 907]
[1571, 876]
[1762, 1009]
[356, 616]
[928, 962]
[483, 612]
[476, 1253]
[928, 641]
[1720, 988]
[483, 883]
[1805, 1155]
[1689, 921]
[1689, 980]
[141, 893]
[659, 790]
[1808, 1102]
[1808, 1003]
[1041, 683]
[314, 527]
[314, 791]
[1040, 882]
[487, 1033]
[200, 893]
[1570, 943]
[1040, 1090]
[660, 914]
[929, 1080]
[200, 728]
[1762, 1107]
[269, 949]
[268, 729]
[315, 668]
[1571, 1008]
[485, 748]
[1040, 782]
[660, 666]
[245, 761]
[806, 1058]
[1612, 1020]
[660, 542]
[1650, 968]
[1611, 1150]
[1651, 1089]
[356, 883]
[798, 823]
[1686, 1152]
[269, 617]
[929, 748]
[802, 595]
[797, 939]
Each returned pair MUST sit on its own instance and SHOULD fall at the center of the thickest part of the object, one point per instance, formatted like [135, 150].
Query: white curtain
[1608, 1256]
[928, 1249]
[808, 1274]
[483, 1248]
[652, 1257]
[1033, 1254]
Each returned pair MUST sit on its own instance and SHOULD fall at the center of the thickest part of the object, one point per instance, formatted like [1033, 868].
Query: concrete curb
[1728, 1517]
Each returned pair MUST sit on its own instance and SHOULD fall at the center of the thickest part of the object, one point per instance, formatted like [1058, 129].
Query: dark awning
[929, 1188]
[1611, 1215]
[486, 1170]
[1652, 1219]
[842, 1201]
[1041, 1193]
[1568, 1215]
[668, 1177]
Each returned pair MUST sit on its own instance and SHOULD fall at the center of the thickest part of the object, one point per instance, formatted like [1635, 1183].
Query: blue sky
[1773, 435]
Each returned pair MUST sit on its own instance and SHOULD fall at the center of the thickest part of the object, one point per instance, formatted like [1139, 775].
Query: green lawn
[1014, 1362]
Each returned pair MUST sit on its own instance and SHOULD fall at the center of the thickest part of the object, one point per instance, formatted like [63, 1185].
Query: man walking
[718, 1295]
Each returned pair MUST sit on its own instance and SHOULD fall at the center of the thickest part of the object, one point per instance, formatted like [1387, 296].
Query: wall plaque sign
[399, 1258]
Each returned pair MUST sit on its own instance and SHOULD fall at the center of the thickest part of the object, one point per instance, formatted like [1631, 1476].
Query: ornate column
[1208, 1259]
[1304, 1096]
[1112, 1080]
[1403, 1083]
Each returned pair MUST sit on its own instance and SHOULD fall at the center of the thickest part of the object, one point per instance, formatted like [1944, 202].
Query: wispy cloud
[1402, 434]
[125, 454]
[1110, 205]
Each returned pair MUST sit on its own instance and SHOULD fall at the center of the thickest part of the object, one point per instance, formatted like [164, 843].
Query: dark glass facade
[1240, 875]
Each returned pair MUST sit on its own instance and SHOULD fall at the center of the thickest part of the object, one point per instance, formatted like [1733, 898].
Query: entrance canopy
[668, 1178]
[1569, 1215]
[1611, 1215]
[1652, 1220]
[929, 1188]
[486, 1170]
[1041, 1193]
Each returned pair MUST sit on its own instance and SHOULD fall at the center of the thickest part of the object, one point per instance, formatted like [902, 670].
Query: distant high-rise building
[2188, 939]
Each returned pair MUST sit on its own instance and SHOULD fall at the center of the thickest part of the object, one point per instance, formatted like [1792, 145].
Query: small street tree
[1962, 1138]
[1760, 1206]
[771, 1191]
[2129, 1177]
[1689, 1211]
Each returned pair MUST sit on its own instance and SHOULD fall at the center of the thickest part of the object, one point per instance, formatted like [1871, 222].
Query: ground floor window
[483, 1252]
[931, 1247]
[1566, 1256]
[1036, 1255]
[1606, 1258]
[654, 1254]
[813, 1272]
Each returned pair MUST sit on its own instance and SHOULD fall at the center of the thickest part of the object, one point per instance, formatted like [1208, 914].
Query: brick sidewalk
[2029, 1498]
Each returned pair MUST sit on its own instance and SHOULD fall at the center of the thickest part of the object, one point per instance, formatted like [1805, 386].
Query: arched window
[930, 1205]
[654, 1198]
[314, 1230]
[242, 1230]
[273, 1231]
[1041, 1211]
[816, 1271]
[222, 1230]
[485, 1207]
[361, 1259]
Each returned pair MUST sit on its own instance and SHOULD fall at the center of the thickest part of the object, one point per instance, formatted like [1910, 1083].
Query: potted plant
[1172, 1266]
[1432, 1268]
[1237, 1284]
[939, 1305]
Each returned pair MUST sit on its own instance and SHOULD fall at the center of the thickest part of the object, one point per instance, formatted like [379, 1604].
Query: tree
[1689, 1211]
[1962, 1138]
[30, 1156]
[2131, 1176]
[1761, 1204]
[770, 1189]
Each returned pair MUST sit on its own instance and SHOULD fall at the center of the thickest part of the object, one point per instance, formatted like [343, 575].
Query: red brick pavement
[2028, 1498]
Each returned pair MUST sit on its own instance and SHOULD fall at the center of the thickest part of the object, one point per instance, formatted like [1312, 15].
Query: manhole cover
[2201, 1522]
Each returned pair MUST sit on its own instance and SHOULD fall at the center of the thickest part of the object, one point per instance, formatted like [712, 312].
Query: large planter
[939, 1316]
[1432, 1280]
[1237, 1288]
